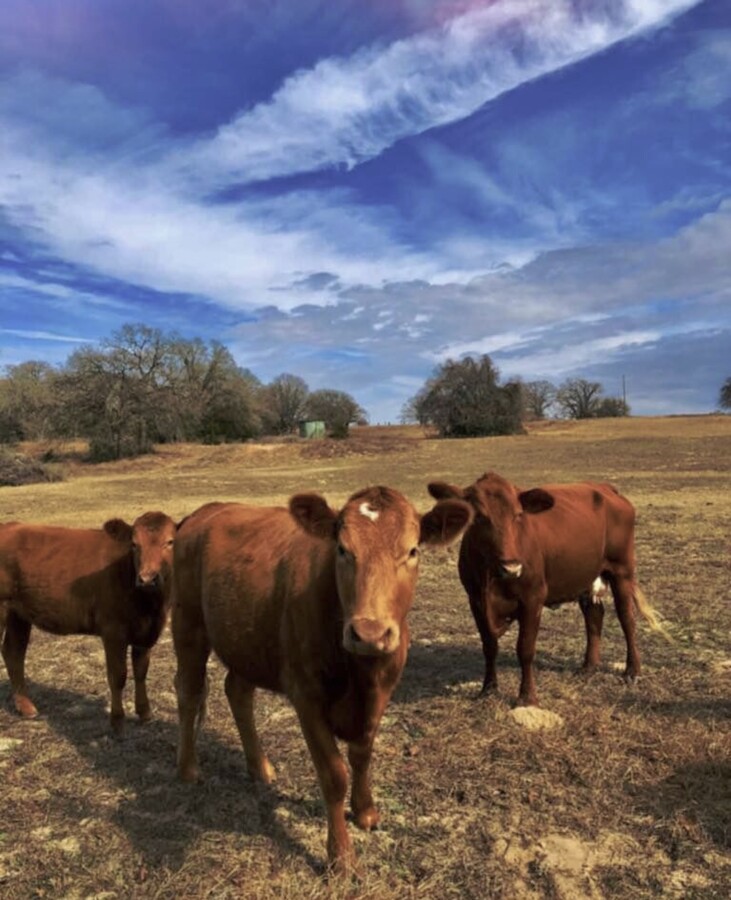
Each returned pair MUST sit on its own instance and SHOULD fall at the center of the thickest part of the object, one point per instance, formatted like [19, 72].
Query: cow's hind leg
[240, 695]
[15, 644]
[593, 619]
[192, 650]
[140, 665]
[623, 591]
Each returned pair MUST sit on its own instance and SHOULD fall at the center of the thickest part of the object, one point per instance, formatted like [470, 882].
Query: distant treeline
[141, 387]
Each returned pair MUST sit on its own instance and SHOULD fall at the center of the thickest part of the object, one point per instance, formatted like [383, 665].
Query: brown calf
[113, 582]
[528, 549]
[311, 603]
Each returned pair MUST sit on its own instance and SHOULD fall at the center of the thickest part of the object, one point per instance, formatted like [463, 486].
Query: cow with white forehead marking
[312, 603]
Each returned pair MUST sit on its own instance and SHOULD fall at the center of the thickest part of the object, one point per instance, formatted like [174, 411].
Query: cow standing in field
[528, 549]
[311, 603]
[113, 582]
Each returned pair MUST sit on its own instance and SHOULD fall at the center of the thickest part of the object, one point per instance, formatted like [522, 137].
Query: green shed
[315, 429]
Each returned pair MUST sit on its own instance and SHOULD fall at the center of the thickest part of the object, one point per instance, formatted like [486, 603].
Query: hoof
[25, 707]
[367, 819]
[527, 701]
[144, 715]
[487, 690]
[264, 772]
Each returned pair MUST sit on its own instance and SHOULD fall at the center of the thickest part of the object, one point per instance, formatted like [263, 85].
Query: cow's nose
[371, 637]
[511, 568]
[148, 579]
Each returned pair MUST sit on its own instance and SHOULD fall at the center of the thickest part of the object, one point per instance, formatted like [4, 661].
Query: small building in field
[312, 429]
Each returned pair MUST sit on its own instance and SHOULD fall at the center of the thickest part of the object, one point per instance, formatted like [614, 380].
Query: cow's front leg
[140, 665]
[529, 620]
[332, 775]
[15, 644]
[365, 814]
[479, 605]
[115, 651]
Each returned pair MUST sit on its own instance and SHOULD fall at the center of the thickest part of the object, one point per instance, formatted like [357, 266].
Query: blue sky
[356, 190]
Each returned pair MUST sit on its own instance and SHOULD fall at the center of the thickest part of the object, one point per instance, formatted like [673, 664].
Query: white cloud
[347, 110]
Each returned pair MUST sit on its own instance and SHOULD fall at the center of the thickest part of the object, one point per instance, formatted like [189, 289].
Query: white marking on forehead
[365, 509]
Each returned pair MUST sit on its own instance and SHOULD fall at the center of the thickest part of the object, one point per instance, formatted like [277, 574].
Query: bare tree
[538, 398]
[579, 398]
[283, 402]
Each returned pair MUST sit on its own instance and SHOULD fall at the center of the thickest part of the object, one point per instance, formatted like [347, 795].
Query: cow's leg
[240, 695]
[192, 650]
[593, 618]
[140, 665]
[623, 591]
[332, 775]
[115, 651]
[529, 619]
[488, 636]
[15, 644]
[361, 799]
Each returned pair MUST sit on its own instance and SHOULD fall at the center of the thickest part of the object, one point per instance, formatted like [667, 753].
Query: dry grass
[630, 797]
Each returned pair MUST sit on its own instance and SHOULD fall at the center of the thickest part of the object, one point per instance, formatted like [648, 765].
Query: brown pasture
[628, 797]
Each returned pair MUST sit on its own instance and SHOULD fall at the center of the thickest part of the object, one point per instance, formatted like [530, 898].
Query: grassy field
[629, 797]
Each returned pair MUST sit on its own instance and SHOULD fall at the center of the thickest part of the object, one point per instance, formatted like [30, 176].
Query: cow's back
[250, 569]
[53, 576]
[589, 525]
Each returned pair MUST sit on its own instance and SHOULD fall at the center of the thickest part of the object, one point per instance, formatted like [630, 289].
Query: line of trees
[464, 398]
[142, 386]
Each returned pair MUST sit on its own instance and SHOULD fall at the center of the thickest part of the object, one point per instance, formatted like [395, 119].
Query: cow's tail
[651, 616]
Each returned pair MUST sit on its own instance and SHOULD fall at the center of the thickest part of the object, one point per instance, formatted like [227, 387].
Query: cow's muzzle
[510, 568]
[148, 580]
[371, 637]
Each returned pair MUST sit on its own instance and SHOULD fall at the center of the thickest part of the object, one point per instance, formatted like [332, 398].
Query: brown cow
[528, 549]
[113, 582]
[311, 603]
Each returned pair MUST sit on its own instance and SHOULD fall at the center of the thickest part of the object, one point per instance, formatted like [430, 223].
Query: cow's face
[376, 539]
[500, 510]
[153, 537]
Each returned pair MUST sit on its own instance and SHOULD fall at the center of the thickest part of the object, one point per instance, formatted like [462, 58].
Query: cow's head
[376, 538]
[500, 509]
[151, 538]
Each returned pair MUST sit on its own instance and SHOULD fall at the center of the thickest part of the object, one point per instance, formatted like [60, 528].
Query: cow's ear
[118, 529]
[445, 522]
[312, 513]
[535, 500]
[440, 490]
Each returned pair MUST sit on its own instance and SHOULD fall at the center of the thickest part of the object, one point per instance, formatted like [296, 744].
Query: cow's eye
[342, 552]
[135, 546]
[414, 553]
[170, 542]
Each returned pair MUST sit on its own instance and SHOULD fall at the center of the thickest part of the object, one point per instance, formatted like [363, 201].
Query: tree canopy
[464, 398]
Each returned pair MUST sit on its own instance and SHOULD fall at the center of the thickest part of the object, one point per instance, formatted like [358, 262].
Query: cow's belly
[246, 644]
[566, 581]
[49, 611]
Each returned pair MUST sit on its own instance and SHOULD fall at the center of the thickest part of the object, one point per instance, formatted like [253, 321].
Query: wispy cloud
[347, 110]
